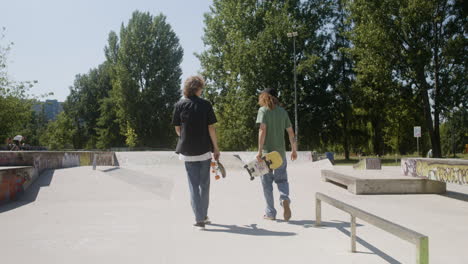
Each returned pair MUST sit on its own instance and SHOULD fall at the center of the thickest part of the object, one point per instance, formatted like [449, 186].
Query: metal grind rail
[419, 240]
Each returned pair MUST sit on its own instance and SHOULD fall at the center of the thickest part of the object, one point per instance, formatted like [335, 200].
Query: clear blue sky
[57, 39]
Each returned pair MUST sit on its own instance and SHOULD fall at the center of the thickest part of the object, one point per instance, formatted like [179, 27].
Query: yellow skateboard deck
[273, 160]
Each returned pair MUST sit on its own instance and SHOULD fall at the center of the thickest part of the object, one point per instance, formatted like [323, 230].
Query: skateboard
[270, 161]
[218, 169]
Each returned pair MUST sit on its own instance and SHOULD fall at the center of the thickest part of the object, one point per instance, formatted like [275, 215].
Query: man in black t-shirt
[194, 121]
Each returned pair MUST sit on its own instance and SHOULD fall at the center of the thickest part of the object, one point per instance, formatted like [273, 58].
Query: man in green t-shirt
[274, 121]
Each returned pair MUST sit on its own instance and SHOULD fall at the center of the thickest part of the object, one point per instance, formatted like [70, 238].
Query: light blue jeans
[280, 177]
[198, 173]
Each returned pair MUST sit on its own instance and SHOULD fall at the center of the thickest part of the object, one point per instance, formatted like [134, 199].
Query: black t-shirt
[193, 115]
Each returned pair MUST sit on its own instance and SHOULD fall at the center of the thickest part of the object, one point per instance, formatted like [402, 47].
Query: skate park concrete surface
[140, 212]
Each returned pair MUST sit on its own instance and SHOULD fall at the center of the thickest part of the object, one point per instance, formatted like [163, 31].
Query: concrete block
[397, 185]
[368, 164]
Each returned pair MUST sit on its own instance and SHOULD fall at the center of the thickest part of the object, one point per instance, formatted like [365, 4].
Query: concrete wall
[170, 158]
[42, 160]
[13, 181]
[446, 170]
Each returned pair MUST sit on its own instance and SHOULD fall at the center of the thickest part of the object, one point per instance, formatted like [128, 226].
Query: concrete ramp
[324, 164]
[160, 185]
[147, 159]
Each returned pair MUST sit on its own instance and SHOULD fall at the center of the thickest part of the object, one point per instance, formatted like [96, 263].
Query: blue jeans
[198, 173]
[280, 177]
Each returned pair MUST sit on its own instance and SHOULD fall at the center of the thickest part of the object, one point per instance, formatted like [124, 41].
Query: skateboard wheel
[217, 177]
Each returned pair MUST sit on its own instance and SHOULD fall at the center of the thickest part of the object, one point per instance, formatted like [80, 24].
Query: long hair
[192, 85]
[268, 100]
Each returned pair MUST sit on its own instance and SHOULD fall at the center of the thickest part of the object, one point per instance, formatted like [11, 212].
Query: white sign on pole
[417, 131]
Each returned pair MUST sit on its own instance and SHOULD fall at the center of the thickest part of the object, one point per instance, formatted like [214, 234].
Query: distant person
[194, 121]
[429, 154]
[274, 121]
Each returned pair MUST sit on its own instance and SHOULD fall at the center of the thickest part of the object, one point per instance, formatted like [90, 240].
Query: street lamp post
[294, 35]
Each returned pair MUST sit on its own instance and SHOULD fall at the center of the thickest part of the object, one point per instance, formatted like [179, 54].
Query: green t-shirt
[277, 121]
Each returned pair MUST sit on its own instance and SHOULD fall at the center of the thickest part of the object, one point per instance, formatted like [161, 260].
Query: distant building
[51, 109]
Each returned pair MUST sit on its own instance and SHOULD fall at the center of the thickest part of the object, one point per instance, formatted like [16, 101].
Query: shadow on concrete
[31, 193]
[456, 195]
[110, 169]
[341, 226]
[367, 245]
[338, 185]
[311, 223]
[250, 230]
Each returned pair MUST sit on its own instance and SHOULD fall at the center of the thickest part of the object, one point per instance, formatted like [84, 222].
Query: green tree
[341, 75]
[420, 44]
[83, 104]
[146, 81]
[15, 107]
[454, 132]
[59, 133]
[248, 50]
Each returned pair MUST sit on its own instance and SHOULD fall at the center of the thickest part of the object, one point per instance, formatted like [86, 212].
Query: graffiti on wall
[436, 170]
[13, 182]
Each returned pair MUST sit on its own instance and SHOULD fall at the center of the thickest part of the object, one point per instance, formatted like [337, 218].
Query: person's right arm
[214, 141]
[292, 141]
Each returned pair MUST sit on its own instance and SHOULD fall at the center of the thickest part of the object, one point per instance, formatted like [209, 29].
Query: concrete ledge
[444, 170]
[357, 185]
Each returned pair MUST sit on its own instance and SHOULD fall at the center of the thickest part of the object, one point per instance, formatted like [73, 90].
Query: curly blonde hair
[192, 85]
[268, 100]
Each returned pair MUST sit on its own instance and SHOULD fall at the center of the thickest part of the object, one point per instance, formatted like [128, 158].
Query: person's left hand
[293, 155]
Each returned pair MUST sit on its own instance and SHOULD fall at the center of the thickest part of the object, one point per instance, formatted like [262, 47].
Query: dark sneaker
[266, 217]
[200, 226]
[207, 221]
[287, 210]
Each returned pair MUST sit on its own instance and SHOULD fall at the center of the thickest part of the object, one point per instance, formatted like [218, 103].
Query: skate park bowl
[125, 207]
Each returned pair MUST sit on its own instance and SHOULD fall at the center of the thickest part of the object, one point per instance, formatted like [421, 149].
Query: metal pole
[318, 212]
[453, 138]
[295, 92]
[353, 233]
[94, 161]
[417, 143]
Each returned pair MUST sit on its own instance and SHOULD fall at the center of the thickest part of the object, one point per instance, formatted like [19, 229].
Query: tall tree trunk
[435, 142]
[377, 141]
[346, 137]
[436, 148]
